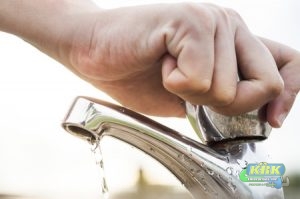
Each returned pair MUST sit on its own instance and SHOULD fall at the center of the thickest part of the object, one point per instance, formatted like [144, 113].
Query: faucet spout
[207, 172]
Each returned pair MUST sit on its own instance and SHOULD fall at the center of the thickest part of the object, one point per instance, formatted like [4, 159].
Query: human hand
[147, 57]
[151, 58]
[288, 62]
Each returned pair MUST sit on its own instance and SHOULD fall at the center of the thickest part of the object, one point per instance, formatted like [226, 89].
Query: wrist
[46, 24]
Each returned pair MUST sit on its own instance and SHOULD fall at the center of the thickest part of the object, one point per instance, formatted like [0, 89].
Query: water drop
[236, 173]
[180, 156]
[227, 159]
[240, 148]
[202, 165]
[202, 176]
[231, 186]
[210, 172]
[242, 163]
[229, 170]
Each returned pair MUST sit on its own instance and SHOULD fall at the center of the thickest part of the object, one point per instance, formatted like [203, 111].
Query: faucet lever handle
[212, 127]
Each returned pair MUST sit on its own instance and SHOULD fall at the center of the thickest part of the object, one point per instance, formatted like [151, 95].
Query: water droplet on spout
[242, 163]
[229, 170]
[210, 172]
[231, 186]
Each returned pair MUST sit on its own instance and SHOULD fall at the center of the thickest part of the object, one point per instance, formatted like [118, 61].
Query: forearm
[42, 23]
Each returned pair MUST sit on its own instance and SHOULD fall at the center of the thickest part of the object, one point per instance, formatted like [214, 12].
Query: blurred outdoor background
[38, 159]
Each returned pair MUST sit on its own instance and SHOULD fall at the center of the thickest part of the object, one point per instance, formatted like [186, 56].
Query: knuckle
[224, 97]
[200, 86]
[197, 21]
[219, 11]
[275, 88]
[188, 86]
[203, 15]
[234, 16]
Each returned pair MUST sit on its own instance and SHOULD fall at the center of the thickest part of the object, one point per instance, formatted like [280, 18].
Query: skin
[152, 58]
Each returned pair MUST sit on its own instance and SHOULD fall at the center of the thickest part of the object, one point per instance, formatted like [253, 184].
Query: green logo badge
[264, 174]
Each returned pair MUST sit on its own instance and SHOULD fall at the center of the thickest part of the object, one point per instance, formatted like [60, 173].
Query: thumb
[279, 108]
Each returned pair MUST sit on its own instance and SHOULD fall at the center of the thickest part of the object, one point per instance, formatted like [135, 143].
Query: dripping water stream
[96, 150]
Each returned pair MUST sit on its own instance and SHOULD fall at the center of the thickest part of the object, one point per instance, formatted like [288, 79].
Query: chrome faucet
[208, 168]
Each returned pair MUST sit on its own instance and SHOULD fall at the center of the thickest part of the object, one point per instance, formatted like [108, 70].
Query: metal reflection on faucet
[212, 127]
[207, 170]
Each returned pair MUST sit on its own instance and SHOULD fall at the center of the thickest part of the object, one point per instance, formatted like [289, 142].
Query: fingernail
[281, 119]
